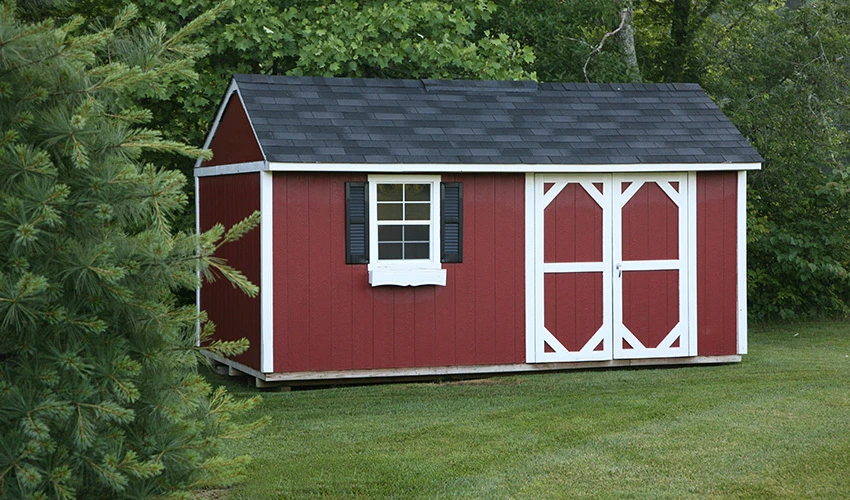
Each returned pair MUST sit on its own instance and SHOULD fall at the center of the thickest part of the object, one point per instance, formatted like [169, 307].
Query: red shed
[433, 228]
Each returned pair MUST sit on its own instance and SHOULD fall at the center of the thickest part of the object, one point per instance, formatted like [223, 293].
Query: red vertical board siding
[320, 280]
[485, 269]
[717, 202]
[383, 326]
[330, 318]
[424, 327]
[362, 323]
[280, 268]
[293, 329]
[404, 320]
[518, 237]
[234, 140]
[341, 290]
[445, 310]
[464, 285]
[505, 265]
[227, 200]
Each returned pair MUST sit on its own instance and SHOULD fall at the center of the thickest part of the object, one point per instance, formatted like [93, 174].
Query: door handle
[619, 268]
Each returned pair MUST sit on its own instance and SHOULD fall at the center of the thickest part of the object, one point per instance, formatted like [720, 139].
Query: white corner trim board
[198, 267]
[266, 273]
[742, 263]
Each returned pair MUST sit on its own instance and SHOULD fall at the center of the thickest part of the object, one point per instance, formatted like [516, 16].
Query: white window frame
[412, 272]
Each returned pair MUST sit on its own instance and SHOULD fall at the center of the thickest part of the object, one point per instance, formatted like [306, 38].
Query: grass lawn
[776, 425]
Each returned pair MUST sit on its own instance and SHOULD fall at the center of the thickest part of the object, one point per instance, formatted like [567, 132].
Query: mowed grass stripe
[776, 425]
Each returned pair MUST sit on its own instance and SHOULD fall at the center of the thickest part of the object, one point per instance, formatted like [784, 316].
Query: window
[404, 222]
[404, 227]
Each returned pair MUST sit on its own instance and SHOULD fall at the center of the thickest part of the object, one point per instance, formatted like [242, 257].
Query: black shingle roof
[351, 120]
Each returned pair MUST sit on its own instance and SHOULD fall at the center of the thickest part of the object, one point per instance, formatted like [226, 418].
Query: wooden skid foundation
[283, 381]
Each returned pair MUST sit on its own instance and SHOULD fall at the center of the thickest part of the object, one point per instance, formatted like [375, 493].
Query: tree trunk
[626, 39]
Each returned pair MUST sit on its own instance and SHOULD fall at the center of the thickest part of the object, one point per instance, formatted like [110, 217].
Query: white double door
[610, 266]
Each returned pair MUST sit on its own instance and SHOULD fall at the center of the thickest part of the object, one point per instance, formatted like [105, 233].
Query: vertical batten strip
[266, 272]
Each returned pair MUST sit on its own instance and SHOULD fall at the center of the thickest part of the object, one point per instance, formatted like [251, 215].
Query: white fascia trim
[402, 168]
[530, 279]
[742, 262]
[221, 107]
[234, 168]
[266, 273]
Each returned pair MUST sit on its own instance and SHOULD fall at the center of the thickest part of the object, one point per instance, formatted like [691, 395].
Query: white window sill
[407, 277]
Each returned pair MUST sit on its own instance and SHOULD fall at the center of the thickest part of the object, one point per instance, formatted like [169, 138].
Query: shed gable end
[233, 140]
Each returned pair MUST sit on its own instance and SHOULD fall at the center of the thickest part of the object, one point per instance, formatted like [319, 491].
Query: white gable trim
[233, 88]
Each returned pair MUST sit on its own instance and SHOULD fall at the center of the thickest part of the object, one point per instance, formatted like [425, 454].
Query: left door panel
[572, 268]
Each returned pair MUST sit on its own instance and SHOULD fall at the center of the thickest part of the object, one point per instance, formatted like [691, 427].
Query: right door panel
[650, 248]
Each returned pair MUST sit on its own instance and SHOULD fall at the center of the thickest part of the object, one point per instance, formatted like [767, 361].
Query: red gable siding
[234, 140]
[328, 317]
[717, 201]
[228, 199]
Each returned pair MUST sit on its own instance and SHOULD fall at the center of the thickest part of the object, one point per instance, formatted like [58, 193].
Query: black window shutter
[451, 221]
[356, 223]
